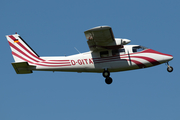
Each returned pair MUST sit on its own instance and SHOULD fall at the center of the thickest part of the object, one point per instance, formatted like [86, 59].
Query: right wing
[99, 37]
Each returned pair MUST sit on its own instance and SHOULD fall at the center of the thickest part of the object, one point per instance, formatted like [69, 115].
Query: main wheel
[169, 69]
[106, 74]
[108, 80]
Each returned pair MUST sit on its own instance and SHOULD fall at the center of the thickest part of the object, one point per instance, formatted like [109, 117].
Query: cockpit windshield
[138, 48]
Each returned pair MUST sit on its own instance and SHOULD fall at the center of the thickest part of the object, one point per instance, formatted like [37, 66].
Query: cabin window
[134, 50]
[117, 52]
[104, 54]
[138, 48]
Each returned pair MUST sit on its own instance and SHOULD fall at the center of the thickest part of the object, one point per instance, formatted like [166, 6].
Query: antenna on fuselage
[77, 50]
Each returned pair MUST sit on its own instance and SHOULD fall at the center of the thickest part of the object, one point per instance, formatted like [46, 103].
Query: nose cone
[168, 57]
[160, 57]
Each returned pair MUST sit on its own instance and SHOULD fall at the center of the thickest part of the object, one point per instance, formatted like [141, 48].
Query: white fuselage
[114, 61]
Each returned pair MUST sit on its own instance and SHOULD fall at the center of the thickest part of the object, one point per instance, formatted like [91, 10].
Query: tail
[24, 56]
[21, 51]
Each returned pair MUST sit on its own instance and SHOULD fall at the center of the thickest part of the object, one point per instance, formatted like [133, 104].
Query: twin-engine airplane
[107, 54]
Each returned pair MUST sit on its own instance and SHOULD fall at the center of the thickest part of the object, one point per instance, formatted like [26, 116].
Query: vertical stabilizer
[21, 51]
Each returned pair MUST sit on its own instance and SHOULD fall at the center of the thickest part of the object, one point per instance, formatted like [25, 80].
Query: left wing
[99, 37]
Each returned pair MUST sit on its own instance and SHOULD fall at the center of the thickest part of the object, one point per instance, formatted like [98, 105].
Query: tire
[170, 69]
[108, 80]
[106, 74]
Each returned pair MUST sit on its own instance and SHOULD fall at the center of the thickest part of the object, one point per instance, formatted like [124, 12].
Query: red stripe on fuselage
[139, 64]
[52, 65]
[152, 61]
[148, 51]
[60, 60]
[127, 58]
[38, 63]
[156, 52]
[117, 58]
[56, 62]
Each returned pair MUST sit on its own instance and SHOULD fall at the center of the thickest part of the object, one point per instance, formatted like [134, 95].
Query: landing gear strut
[108, 79]
[169, 68]
[106, 73]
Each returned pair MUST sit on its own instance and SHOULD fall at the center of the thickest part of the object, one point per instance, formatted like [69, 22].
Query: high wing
[100, 37]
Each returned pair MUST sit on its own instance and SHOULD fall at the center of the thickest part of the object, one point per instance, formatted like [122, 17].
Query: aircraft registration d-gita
[107, 54]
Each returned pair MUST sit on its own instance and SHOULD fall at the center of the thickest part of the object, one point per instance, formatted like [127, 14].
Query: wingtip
[104, 26]
[98, 28]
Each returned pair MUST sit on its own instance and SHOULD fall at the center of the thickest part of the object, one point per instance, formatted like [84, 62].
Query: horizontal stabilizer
[22, 67]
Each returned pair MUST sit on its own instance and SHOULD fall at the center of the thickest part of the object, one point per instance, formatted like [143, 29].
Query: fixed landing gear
[106, 73]
[108, 79]
[169, 68]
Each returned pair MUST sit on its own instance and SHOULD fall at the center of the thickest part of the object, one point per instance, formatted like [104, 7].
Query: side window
[104, 54]
[138, 48]
[121, 50]
[117, 52]
[134, 50]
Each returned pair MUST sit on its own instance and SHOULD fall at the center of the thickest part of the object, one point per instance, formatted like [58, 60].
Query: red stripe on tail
[22, 46]
[16, 48]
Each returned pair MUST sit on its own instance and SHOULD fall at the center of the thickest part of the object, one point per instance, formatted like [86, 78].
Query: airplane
[107, 54]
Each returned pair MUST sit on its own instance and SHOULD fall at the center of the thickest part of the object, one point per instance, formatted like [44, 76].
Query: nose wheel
[169, 68]
[108, 79]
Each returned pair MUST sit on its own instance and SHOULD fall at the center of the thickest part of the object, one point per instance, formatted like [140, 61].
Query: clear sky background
[55, 27]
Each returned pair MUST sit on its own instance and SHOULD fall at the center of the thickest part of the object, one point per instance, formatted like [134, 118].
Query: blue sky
[54, 28]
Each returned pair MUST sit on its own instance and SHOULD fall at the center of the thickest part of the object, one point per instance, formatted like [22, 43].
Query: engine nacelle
[120, 41]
